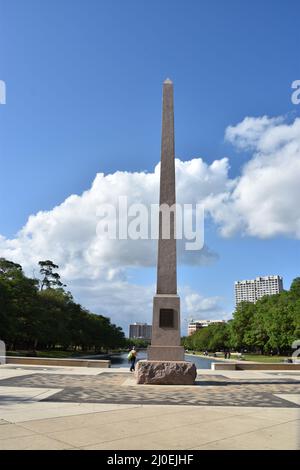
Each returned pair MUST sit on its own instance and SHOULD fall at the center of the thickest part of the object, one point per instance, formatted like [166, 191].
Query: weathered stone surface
[166, 372]
[166, 261]
[165, 344]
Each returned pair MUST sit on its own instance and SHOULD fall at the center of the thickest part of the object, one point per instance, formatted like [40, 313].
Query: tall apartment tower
[140, 330]
[254, 289]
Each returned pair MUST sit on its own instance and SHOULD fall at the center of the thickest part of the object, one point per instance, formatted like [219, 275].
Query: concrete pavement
[28, 420]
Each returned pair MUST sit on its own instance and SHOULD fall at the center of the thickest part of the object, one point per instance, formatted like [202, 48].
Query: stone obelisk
[165, 344]
[166, 364]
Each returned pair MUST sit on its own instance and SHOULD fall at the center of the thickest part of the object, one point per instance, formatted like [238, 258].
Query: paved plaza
[84, 408]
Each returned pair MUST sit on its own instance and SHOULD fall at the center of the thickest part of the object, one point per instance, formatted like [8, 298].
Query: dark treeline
[41, 314]
[269, 325]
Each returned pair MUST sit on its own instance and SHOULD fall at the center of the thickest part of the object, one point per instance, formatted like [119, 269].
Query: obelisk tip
[168, 82]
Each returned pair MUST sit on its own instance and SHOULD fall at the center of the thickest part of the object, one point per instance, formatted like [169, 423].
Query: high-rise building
[253, 289]
[140, 331]
[195, 325]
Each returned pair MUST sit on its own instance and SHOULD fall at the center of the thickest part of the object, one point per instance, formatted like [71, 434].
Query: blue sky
[84, 96]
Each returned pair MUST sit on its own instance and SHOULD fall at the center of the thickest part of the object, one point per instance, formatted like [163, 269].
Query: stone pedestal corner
[166, 372]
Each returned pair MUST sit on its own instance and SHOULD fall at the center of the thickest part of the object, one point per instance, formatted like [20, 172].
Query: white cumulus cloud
[198, 307]
[260, 201]
[263, 202]
[95, 269]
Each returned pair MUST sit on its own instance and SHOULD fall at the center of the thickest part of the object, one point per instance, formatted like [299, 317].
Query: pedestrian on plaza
[132, 358]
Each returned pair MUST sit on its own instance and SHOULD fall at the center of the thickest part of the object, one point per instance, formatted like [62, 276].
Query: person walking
[132, 358]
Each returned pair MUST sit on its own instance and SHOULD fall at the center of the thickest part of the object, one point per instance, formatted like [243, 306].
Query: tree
[137, 342]
[50, 279]
[241, 325]
[8, 269]
[219, 337]
[47, 317]
[271, 324]
[18, 304]
[295, 288]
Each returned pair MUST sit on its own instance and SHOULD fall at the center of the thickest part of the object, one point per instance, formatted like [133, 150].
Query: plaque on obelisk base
[166, 364]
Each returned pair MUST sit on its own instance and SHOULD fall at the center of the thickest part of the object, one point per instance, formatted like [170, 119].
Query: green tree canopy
[43, 315]
[271, 324]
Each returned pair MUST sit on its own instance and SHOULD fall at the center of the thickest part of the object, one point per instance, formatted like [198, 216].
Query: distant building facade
[195, 325]
[254, 289]
[140, 331]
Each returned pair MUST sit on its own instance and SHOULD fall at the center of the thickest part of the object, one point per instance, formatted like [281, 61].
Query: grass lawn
[210, 355]
[263, 358]
[58, 354]
[247, 357]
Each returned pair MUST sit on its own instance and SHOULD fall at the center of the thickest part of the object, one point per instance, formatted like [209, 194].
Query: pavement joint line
[172, 412]
[34, 433]
[235, 416]
[165, 413]
[135, 420]
[181, 426]
[71, 416]
[38, 433]
[33, 398]
[188, 425]
[280, 395]
[55, 390]
[245, 433]
[281, 422]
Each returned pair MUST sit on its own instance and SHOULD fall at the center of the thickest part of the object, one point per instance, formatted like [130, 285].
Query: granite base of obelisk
[166, 364]
[166, 373]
